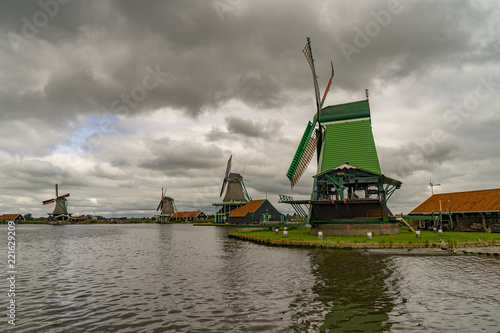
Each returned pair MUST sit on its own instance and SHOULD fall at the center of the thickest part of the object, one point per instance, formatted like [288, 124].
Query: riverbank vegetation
[405, 238]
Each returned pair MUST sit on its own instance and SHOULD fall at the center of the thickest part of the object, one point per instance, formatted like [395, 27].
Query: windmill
[234, 185]
[61, 207]
[349, 190]
[236, 194]
[167, 206]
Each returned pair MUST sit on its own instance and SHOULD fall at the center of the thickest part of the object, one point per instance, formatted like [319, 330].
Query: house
[464, 211]
[79, 219]
[11, 217]
[256, 211]
[189, 216]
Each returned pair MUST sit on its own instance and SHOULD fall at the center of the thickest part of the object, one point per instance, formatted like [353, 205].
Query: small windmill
[234, 185]
[167, 206]
[61, 207]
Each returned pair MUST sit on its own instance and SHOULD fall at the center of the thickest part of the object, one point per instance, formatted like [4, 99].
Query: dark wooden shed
[256, 211]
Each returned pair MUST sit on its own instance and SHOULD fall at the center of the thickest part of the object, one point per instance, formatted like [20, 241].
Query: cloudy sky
[114, 100]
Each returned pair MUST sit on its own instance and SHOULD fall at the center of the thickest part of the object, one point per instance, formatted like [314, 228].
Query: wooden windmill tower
[236, 194]
[61, 207]
[349, 191]
[234, 185]
[166, 207]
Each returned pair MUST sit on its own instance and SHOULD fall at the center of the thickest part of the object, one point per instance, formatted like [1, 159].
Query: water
[181, 278]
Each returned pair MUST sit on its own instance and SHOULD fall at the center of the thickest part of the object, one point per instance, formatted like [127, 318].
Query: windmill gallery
[349, 194]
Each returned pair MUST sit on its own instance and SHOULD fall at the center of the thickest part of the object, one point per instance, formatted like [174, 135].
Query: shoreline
[488, 248]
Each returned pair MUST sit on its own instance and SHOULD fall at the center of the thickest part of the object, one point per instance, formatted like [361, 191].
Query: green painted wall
[350, 142]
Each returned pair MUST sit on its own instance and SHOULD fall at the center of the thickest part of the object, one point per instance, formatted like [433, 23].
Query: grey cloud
[30, 173]
[247, 128]
[216, 134]
[181, 158]
[259, 91]
[239, 128]
[426, 155]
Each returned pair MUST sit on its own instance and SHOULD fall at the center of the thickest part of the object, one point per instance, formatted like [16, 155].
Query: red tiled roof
[83, 217]
[181, 215]
[8, 217]
[250, 207]
[468, 201]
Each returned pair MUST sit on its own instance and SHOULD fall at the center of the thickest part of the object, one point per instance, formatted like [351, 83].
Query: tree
[28, 217]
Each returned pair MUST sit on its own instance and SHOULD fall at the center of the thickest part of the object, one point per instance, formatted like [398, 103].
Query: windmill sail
[226, 175]
[312, 139]
[308, 53]
[328, 86]
[304, 154]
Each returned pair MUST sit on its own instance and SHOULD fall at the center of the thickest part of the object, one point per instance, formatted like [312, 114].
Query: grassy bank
[301, 237]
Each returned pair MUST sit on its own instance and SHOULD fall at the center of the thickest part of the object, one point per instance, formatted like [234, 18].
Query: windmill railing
[296, 206]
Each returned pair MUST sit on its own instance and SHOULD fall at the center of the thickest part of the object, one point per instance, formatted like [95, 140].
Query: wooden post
[409, 226]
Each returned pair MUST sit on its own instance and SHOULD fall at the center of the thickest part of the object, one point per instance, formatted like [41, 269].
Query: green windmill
[350, 193]
[61, 207]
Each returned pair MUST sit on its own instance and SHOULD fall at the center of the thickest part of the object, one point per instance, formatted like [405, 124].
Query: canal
[182, 278]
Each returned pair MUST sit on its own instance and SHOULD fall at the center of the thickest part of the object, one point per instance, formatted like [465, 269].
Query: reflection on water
[352, 291]
[180, 278]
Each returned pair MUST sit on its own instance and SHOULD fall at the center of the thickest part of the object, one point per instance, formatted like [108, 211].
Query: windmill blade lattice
[228, 170]
[304, 154]
[312, 138]
[308, 53]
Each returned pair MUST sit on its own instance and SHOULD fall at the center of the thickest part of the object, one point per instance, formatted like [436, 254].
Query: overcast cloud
[114, 100]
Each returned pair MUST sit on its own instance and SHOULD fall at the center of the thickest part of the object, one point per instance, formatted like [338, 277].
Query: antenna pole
[432, 186]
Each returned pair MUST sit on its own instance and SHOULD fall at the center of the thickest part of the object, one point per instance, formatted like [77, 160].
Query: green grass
[404, 237]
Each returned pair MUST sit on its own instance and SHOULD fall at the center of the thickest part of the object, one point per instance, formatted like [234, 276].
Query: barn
[11, 217]
[189, 216]
[464, 211]
[256, 211]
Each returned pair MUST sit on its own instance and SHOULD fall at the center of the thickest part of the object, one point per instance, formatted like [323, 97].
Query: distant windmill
[61, 207]
[234, 185]
[167, 206]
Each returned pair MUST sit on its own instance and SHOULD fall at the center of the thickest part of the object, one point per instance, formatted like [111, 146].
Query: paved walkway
[486, 250]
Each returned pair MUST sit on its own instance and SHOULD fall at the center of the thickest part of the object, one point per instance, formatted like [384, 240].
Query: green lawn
[405, 236]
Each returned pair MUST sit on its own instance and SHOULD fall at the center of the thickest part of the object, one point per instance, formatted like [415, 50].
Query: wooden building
[464, 211]
[11, 217]
[189, 216]
[256, 211]
[79, 219]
